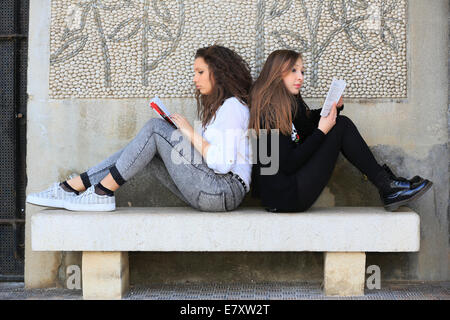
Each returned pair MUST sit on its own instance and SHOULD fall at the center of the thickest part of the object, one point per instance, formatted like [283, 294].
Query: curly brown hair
[230, 75]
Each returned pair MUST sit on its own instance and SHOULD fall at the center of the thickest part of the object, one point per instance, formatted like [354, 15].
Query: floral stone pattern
[142, 48]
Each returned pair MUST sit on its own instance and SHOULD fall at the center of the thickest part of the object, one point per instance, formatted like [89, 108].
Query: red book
[157, 105]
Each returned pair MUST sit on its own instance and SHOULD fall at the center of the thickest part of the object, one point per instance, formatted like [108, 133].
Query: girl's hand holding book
[187, 130]
[340, 102]
[182, 124]
[328, 122]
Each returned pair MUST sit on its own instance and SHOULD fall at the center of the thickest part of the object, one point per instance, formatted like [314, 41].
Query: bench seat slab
[341, 229]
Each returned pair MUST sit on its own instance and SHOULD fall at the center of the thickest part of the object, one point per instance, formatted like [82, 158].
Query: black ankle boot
[395, 192]
[415, 181]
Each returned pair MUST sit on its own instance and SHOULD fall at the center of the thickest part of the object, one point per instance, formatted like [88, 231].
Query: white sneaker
[90, 201]
[54, 196]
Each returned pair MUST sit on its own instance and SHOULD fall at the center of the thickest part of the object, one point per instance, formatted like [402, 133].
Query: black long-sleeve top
[280, 189]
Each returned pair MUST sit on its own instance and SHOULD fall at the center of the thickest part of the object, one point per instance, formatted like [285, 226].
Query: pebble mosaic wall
[139, 48]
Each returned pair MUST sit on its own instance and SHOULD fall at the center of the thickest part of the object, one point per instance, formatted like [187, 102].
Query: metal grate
[286, 291]
[7, 142]
[13, 99]
[390, 290]
[10, 264]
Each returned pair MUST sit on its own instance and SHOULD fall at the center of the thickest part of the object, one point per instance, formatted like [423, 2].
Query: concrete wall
[411, 135]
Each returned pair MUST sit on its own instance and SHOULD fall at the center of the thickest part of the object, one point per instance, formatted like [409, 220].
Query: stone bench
[344, 234]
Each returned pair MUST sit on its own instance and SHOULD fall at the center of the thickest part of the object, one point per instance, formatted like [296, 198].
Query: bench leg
[344, 273]
[105, 275]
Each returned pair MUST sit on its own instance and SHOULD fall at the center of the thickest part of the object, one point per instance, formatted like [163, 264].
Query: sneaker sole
[91, 207]
[54, 203]
[394, 206]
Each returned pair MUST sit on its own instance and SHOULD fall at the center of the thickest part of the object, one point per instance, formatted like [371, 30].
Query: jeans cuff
[116, 175]
[85, 178]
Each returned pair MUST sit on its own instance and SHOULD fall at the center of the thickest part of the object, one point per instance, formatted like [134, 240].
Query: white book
[334, 94]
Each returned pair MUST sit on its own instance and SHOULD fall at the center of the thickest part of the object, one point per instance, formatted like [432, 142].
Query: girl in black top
[303, 146]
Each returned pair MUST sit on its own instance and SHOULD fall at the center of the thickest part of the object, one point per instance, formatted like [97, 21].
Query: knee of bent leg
[147, 130]
[152, 125]
[154, 122]
[344, 120]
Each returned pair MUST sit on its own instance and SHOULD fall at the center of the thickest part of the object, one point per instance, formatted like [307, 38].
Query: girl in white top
[229, 149]
[209, 168]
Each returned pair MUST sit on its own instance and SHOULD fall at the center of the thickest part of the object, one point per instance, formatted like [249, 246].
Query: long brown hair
[272, 106]
[230, 75]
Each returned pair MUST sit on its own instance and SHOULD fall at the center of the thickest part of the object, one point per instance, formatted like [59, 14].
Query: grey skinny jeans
[173, 160]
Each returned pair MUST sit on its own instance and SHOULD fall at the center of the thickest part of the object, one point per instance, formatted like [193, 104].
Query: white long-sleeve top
[227, 134]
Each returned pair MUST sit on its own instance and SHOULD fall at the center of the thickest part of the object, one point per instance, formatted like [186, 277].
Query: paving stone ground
[394, 290]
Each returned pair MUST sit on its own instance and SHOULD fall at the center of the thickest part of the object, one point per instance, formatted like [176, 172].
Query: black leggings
[315, 174]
